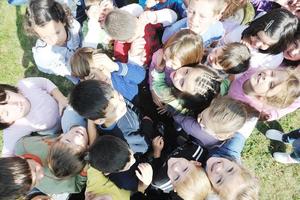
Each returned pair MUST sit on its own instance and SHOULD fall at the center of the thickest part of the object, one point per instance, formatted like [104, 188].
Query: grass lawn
[278, 181]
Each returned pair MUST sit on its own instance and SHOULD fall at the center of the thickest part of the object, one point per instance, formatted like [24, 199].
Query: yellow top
[97, 183]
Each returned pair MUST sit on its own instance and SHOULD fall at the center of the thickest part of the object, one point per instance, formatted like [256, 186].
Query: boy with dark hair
[131, 33]
[113, 157]
[107, 110]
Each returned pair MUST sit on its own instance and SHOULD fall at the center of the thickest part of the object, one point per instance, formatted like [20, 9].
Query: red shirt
[152, 36]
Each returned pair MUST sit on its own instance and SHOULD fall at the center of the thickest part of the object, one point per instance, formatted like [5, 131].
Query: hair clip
[269, 25]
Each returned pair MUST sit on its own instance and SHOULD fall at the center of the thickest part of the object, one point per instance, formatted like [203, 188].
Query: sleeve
[134, 9]
[174, 28]
[278, 113]
[166, 17]
[233, 147]
[11, 136]
[36, 82]
[80, 182]
[131, 72]
[50, 62]
[189, 125]
[121, 51]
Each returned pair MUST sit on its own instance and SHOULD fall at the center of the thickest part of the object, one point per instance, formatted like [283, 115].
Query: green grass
[278, 181]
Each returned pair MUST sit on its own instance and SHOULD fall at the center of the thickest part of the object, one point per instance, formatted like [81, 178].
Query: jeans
[293, 138]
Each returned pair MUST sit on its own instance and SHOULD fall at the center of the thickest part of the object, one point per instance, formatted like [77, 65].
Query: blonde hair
[195, 186]
[93, 2]
[232, 7]
[219, 5]
[231, 113]
[247, 191]
[186, 46]
[289, 92]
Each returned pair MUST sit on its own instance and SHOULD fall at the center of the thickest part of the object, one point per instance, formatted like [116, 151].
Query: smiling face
[268, 82]
[212, 58]
[293, 51]
[15, 107]
[178, 168]
[76, 138]
[37, 172]
[223, 173]
[53, 33]
[200, 15]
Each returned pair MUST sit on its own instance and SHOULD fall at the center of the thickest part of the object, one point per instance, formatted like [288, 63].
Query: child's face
[261, 41]
[212, 58]
[223, 174]
[292, 5]
[200, 15]
[178, 168]
[105, 7]
[293, 51]
[53, 33]
[173, 63]
[77, 138]
[37, 172]
[93, 12]
[16, 106]
[114, 111]
[185, 79]
[268, 82]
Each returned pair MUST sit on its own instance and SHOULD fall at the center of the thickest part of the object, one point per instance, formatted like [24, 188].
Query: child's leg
[296, 154]
[291, 136]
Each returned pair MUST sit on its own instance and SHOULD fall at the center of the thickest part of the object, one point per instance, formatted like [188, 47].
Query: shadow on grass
[25, 41]
[274, 146]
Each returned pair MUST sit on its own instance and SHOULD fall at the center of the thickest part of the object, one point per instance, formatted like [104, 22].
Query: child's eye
[176, 179]
[181, 82]
[230, 170]
[185, 169]
[186, 72]
[271, 85]
[219, 181]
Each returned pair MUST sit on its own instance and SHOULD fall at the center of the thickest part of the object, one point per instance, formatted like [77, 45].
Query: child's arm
[60, 98]
[165, 16]
[160, 87]
[131, 72]
[145, 175]
[157, 145]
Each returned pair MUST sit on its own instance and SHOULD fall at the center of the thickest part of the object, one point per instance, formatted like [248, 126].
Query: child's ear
[99, 121]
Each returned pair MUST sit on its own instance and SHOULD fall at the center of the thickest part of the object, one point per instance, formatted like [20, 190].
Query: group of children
[165, 95]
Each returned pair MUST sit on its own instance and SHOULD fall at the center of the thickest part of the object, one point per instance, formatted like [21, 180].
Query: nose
[218, 167]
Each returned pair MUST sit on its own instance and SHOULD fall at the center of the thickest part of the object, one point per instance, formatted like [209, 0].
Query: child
[273, 92]
[70, 177]
[229, 60]
[206, 130]
[225, 171]
[113, 157]
[202, 18]
[183, 48]
[267, 37]
[89, 63]
[107, 109]
[23, 110]
[232, 58]
[126, 29]
[16, 176]
[292, 53]
[58, 33]
[289, 138]
[96, 11]
[193, 87]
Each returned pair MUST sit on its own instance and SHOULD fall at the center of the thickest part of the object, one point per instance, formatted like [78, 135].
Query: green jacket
[39, 146]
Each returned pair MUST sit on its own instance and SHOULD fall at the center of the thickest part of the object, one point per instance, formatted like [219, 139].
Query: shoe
[274, 135]
[284, 158]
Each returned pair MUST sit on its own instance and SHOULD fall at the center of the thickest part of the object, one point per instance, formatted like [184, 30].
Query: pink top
[236, 92]
[43, 114]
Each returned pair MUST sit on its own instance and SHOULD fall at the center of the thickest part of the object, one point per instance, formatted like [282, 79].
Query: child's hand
[156, 99]
[105, 7]
[103, 61]
[151, 3]
[146, 173]
[160, 65]
[158, 145]
[137, 52]
[92, 196]
[264, 116]
[148, 17]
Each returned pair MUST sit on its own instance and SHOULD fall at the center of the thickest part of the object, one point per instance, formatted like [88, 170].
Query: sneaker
[284, 158]
[274, 135]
